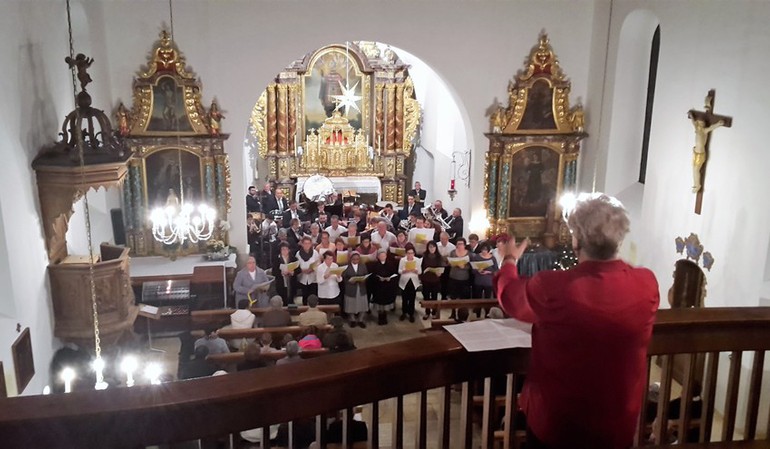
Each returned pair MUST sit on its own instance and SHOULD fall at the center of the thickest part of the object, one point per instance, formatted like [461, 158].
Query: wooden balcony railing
[213, 407]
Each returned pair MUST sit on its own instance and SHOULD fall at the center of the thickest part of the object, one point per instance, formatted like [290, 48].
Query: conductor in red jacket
[591, 328]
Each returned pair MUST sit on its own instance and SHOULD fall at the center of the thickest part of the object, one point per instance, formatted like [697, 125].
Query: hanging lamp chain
[79, 142]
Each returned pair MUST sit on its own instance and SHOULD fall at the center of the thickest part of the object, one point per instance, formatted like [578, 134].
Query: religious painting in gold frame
[533, 151]
[535, 180]
[164, 180]
[168, 107]
[329, 71]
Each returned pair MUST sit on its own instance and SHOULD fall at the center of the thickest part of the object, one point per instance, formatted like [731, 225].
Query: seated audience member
[198, 366]
[358, 434]
[252, 359]
[242, 318]
[313, 316]
[292, 354]
[342, 343]
[266, 343]
[276, 316]
[496, 313]
[310, 339]
[330, 339]
[286, 339]
[212, 341]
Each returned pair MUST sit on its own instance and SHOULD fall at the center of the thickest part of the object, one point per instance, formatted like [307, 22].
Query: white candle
[68, 375]
[129, 366]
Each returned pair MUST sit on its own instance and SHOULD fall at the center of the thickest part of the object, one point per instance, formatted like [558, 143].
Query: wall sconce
[459, 168]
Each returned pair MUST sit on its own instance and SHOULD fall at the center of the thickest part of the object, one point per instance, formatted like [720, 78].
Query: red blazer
[587, 372]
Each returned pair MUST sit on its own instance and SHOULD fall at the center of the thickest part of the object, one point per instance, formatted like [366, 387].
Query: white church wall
[237, 47]
[36, 97]
[705, 45]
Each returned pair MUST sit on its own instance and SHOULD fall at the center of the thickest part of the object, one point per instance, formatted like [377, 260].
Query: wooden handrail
[202, 315]
[459, 304]
[177, 411]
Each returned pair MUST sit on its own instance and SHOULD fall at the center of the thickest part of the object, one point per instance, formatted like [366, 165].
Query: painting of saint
[539, 111]
[168, 111]
[330, 72]
[535, 177]
[168, 183]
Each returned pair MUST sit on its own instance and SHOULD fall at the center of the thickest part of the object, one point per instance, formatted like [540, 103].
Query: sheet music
[491, 335]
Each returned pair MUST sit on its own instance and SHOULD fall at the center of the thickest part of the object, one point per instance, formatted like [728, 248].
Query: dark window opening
[654, 52]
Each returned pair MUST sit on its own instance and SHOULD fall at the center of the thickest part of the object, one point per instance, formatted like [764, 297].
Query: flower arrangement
[216, 246]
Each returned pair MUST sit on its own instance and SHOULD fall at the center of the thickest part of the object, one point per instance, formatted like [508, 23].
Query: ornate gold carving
[336, 148]
[222, 160]
[390, 192]
[166, 62]
[271, 119]
[378, 114]
[412, 116]
[293, 110]
[390, 116]
[258, 123]
[282, 118]
[399, 117]
[272, 168]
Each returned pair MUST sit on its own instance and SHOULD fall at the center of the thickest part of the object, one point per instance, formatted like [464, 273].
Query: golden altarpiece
[176, 145]
[534, 144]
[345, 110]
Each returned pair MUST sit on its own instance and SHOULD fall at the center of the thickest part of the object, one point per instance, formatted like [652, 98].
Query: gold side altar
[342, 110]
[534, 144]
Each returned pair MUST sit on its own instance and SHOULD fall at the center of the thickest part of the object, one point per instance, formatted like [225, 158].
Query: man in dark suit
[411, 208]
[252, 200]
[419, 194]
[291, 213]
[473, 244]
[455, 223]
[267, 198]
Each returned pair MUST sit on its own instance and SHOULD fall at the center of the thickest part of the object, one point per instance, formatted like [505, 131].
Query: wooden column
[282, 107]
[293, 118]
[399, 128]
[391, 116]
[378, 117]
[271, 119]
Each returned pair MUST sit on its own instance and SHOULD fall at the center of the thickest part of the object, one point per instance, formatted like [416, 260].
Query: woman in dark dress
[355, 304]
[284, 280]
[431, 282]
[384, 286]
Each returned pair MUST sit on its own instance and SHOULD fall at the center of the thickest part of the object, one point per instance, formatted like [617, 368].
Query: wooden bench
[237, 357]
[256, 332]
[218, 315]
[459, 304]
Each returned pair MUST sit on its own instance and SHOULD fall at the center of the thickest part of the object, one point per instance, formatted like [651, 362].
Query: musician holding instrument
[437, 210]
[411, 208]
[455, 225]
[418, 193]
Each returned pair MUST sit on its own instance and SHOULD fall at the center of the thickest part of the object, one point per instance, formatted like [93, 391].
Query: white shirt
[445, 250]
[327, 288]
[498, 257]
[335, 233]
[253, 275]
[383, 242]
[405, 277]
[309, 278]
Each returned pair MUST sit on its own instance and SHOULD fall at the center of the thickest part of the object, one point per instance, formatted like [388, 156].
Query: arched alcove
[629, 106]
[444, 129]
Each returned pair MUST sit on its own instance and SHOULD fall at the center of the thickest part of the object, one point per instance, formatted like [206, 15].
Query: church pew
[237, 357]
[459, 304]
[217, 315]
[256, 332]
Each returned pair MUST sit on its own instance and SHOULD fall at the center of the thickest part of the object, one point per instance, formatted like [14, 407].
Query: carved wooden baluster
[466, 416]
[509, 420]
[731, 400]
[291, 435]
[488, 424]
[398, 424]
[708, 394]
[347, 430]
[374, 428]
[265, 437]
[445, 417]
[667, 371]
[685, 409]
[320, 429]
[755, 389]
[422, 428]
[642, 422]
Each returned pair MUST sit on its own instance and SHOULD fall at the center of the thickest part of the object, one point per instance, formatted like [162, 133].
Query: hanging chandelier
[182, 222]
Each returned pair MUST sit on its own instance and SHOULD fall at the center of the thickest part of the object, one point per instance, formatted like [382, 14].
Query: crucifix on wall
[704, 122]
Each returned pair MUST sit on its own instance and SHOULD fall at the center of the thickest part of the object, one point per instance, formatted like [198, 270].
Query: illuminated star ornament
[348, 99]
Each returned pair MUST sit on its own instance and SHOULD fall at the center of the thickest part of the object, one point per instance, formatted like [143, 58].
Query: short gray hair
[276, 302]
[292, 348]
[599, 224]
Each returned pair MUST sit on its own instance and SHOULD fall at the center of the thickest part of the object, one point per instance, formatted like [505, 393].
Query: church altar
[360, 184]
